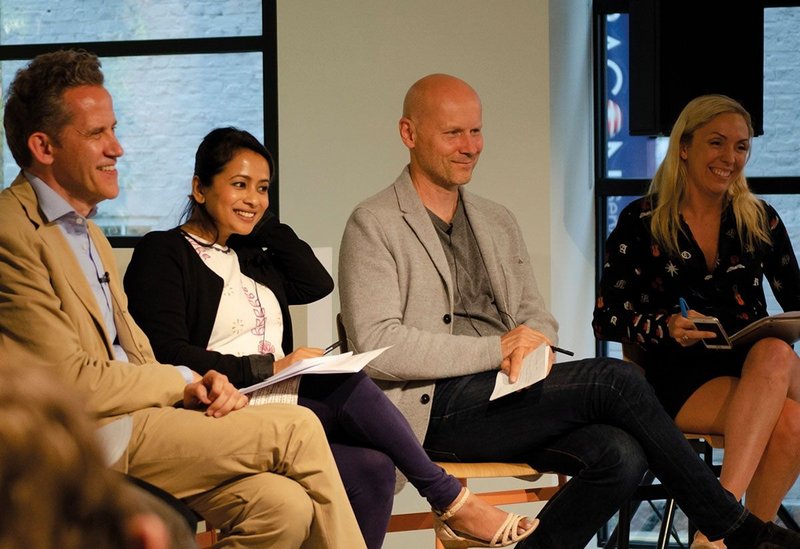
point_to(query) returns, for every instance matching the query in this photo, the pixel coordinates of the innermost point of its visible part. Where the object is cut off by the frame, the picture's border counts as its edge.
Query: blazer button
(447, 318)
(425, 399)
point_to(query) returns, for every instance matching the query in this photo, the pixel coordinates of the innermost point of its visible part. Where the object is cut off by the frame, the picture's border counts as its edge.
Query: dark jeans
(596, 420)
(369, 437)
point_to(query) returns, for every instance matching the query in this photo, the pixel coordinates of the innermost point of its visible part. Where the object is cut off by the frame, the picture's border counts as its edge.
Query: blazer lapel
(420, 222)
(54, 240)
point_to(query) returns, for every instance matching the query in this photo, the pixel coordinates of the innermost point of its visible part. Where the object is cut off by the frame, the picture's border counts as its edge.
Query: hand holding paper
(535, 368)
(329, 364)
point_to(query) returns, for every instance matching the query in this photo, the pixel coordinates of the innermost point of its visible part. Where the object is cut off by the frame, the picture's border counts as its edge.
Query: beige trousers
(263, 475)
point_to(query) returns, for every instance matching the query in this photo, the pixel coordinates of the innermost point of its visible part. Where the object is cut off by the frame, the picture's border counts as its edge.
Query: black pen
(332, 346)
(562, 351)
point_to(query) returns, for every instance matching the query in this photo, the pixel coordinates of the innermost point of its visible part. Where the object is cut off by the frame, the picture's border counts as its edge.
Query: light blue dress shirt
(73, 226)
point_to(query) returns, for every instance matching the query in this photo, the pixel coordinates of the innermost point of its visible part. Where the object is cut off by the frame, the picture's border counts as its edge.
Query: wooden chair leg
(206, 539)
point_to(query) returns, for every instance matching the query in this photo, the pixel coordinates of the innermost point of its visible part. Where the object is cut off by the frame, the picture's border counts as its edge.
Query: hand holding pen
(560, 350)
(679, 326)
(684, 330)
(302, 353)
(515, 345)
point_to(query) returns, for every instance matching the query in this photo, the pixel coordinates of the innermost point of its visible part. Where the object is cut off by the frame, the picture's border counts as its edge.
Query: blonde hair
(669, 184)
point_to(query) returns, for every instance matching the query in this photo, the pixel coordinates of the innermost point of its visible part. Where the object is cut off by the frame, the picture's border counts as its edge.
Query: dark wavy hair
(215, 151)
(35, 97)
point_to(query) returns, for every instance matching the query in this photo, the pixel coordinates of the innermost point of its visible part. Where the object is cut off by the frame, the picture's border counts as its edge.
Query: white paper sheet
(535, 368)
(333, 364)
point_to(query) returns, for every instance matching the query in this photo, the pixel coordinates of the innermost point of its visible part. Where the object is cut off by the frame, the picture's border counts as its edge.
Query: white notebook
(282, 387)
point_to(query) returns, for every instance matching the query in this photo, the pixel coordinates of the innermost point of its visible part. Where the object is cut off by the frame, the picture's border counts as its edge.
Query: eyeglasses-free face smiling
(445, 137)
(84, 156)
(237, 197)
(716, 154)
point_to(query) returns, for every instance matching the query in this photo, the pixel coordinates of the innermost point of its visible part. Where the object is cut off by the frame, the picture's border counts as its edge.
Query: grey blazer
(395, 289)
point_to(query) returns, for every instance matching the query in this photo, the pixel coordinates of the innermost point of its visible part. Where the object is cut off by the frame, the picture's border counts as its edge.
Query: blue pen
(684, 308)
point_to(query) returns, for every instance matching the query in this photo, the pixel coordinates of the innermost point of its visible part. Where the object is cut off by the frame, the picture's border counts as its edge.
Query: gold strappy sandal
(507, 534)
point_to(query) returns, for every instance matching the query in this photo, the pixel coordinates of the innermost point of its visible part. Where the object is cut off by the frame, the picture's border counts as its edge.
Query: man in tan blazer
(263, 475)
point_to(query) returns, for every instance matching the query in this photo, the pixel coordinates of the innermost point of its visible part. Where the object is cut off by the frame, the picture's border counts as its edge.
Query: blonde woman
(700, 234)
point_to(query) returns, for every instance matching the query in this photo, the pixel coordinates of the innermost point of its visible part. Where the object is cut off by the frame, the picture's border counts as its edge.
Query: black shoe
(772, 536)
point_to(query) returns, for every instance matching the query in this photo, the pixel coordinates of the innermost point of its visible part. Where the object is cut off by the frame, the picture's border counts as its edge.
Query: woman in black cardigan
(214, 294)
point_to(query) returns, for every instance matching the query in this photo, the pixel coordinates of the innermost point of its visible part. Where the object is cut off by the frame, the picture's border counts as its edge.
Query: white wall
(571, 228)
(344, 68)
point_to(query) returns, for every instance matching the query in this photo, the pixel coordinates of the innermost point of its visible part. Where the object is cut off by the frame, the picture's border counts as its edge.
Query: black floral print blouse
(641, 284)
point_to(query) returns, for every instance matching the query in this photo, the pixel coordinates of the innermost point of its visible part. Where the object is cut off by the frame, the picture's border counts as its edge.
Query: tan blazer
(48, 314)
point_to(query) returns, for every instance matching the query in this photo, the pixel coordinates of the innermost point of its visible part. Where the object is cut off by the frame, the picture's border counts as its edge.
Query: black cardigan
(174, 296)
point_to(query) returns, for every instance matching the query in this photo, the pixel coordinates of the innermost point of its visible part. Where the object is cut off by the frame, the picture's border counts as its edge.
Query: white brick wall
(164, 105)
(39, 21)
(777, 152)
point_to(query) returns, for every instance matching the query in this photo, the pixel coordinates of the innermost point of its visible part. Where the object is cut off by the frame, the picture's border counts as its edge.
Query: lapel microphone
(105, 279)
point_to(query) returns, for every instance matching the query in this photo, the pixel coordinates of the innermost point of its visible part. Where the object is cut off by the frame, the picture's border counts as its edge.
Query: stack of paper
(333, 364)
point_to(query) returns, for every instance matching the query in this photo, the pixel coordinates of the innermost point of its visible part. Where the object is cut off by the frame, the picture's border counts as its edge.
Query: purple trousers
(369, 437)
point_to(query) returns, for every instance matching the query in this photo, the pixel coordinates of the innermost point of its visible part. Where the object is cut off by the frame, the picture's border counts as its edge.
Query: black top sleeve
(174, 297)
(172, 304)
(274, 255)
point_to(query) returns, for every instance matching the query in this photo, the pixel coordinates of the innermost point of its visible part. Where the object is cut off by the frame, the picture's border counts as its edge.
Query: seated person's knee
(622, 455)
(280, 506)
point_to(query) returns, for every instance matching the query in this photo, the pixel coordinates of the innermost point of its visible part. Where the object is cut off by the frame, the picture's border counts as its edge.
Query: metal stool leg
(787, 518)
(624, 525)
(666, 524)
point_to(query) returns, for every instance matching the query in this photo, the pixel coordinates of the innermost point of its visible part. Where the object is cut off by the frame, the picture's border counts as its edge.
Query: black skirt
(676, 374)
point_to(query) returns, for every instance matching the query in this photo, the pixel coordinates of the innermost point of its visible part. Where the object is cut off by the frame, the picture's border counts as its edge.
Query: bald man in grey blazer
(444, 277)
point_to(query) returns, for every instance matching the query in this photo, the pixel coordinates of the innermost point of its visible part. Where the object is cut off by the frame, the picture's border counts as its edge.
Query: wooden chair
(406, 522)
(207, 538)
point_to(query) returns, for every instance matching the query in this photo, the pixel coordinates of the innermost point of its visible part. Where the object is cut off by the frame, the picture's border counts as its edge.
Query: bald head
(430, 92)
(441, 126)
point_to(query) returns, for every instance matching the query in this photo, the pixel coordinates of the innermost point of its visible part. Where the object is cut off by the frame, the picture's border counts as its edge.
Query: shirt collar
(52, 204)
